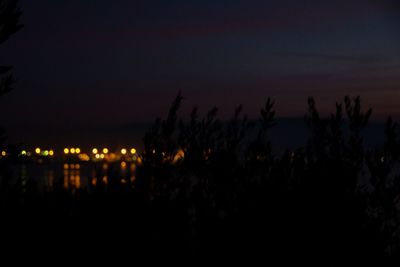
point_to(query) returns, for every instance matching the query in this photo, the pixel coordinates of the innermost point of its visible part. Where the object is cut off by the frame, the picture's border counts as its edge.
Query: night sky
(101, 64)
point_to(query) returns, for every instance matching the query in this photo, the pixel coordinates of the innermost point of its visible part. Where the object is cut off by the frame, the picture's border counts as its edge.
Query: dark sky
(98, 63)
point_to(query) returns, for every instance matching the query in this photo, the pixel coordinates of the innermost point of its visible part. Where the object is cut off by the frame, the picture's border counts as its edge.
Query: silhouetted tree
(9, 24)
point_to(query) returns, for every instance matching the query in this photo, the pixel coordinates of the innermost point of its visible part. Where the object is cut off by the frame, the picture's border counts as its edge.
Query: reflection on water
(50, 180)
(72, 176)
(105, 179)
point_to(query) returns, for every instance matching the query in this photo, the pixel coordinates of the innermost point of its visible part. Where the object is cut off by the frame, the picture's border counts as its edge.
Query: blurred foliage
(206, 187)
(341, 197)
(9, 24)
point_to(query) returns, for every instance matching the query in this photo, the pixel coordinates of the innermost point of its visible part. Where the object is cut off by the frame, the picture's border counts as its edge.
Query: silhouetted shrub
(334, 193)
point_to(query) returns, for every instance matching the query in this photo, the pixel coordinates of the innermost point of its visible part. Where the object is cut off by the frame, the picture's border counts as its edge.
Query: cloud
(192, 21)
(358, 59)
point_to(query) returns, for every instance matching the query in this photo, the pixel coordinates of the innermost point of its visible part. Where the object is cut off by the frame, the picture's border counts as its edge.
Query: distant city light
(103, 153)
(123, 164)
(84, 157)
(178, 156)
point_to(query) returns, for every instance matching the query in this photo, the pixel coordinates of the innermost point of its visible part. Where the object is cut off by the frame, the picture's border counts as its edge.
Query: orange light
(78, 181)
(179, 156)
(123, 164)
(84, 157)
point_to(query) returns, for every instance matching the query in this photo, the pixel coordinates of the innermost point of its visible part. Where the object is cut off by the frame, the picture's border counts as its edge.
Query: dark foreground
(208, 190)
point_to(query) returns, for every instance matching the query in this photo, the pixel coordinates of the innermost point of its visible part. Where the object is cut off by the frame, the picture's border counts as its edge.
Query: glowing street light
(37, 150)
(77, 150)
(66, 151)
(72, 150)
(3, 153)
(51, 153)
(95, 151)
(105, 150)
(23, 152)
(123, 151)
(133, 151)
